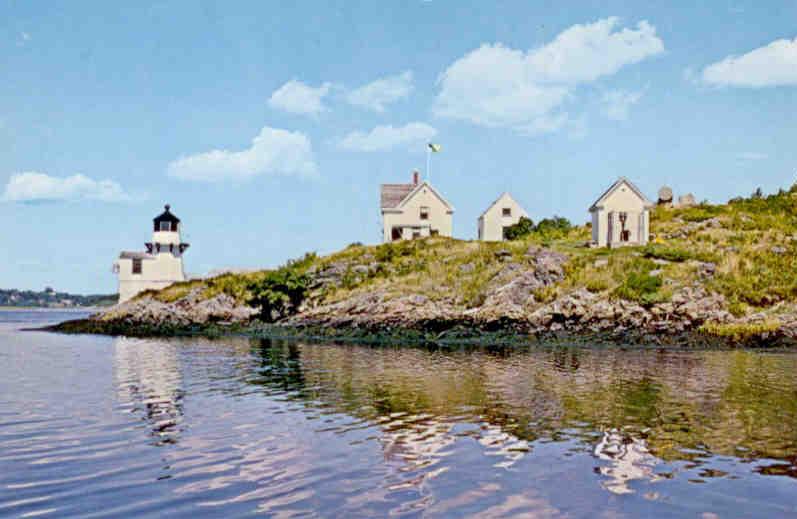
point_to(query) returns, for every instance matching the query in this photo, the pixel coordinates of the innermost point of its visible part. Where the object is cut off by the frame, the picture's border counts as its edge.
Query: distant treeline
(49, 298)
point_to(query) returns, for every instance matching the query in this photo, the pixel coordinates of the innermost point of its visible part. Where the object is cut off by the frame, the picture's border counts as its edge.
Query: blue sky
(269, 127)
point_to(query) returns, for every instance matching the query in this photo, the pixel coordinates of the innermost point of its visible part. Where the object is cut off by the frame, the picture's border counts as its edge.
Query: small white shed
(502, 213)
(621, 216)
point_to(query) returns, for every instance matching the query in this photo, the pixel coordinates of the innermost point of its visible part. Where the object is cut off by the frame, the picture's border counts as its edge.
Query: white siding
(492, 222)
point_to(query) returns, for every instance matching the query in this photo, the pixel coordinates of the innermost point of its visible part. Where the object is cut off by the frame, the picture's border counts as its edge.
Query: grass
(739, 331)
(752, 242)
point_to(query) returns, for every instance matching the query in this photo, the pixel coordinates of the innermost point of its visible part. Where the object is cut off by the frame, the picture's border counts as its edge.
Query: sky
(268, 126)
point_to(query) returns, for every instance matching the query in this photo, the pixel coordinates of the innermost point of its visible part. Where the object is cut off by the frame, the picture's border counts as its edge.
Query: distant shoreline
(51, 308)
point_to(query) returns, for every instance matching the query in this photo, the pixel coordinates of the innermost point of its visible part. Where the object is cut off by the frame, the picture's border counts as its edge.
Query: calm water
(112, 427)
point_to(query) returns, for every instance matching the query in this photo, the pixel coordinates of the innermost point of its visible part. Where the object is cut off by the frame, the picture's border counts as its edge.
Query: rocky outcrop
(526, 295)
(192, 309)
(511, 293)
(583, 311)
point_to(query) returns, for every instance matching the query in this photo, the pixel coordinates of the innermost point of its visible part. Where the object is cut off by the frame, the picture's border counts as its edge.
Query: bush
(637, 284)
(521, 229)
(666, 253)
(279, 293)
(640, 287)
(555, 225)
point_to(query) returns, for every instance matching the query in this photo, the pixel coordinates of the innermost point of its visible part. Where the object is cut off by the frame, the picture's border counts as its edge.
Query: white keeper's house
(621, 216)
(502, 213)
(414, 210)
(157, 267)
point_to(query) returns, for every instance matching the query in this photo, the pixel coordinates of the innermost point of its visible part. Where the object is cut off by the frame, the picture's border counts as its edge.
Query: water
(113, 427)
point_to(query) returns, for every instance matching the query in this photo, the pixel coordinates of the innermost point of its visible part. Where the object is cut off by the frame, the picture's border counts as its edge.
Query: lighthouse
(157, 267)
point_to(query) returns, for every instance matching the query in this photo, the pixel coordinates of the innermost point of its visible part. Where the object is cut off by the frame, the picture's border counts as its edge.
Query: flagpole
(428, 163)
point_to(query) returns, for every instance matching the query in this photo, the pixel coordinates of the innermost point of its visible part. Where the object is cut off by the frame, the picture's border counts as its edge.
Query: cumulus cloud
(498, 86)
(273, 152)
(299, 98)
(31, 186)
(617, 103)
(377, 94)
(384, 138)
(772, 65)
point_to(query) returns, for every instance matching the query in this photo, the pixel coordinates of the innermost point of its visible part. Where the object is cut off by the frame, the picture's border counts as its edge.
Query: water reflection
(148, 380)
(671, 405)
(234, 426)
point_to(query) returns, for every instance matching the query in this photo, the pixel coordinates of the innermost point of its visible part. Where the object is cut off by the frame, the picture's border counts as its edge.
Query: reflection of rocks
(629, 460)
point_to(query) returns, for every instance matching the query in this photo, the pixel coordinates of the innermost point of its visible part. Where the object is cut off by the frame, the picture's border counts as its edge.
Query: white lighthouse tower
(158, 267)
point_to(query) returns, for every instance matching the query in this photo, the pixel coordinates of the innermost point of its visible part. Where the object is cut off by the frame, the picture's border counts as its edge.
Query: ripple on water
(127, 427)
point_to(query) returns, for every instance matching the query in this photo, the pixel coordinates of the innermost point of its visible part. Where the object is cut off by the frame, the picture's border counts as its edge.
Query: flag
(435, 147)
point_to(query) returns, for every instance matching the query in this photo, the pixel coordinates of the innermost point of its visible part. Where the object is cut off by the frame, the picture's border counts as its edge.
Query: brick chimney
(416, 178)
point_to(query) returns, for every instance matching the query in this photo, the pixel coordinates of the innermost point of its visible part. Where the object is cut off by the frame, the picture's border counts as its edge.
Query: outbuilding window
(137, 266)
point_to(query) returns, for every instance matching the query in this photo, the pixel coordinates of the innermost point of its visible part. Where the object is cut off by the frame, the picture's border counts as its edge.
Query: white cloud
(273, 152)
(377, 94)
(617, 103)
(498, 86)
(384, 138)
(772, 65)
(752, 155)
(299, 98)
(32, 186)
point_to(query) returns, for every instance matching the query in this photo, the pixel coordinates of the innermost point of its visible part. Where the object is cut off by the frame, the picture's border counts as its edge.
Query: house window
(434, 232)
(506, 211)
(424, 213)
(395, 233)
(166, 226)
(416, 234)
(137, 266)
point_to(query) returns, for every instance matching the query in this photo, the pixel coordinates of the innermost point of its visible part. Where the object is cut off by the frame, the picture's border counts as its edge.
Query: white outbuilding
(157, 267)
(621, 216)
(502, 213)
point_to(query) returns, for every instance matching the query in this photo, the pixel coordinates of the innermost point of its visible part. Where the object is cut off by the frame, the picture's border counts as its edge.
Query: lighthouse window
(166, 226)
(136, 266)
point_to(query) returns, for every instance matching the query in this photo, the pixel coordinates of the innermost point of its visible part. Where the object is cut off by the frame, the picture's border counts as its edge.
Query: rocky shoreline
(513, 310)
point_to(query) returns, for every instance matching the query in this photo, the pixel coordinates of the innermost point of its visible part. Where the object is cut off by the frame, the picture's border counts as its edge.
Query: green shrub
(666, 253)
(278, 293)
(700, 213)
(553, 227)
(640, 287)
(521, 229)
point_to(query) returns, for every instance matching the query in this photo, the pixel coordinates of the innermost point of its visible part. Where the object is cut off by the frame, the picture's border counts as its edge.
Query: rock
(693, 227)
(513, 287)
(601, 262)
(467, 268)
(191, 309)
(665, 195)
(503, 255)
(655, 272)
(779, 250)
(704, 269)
(659, 261)
(360, 269)
(687, 200)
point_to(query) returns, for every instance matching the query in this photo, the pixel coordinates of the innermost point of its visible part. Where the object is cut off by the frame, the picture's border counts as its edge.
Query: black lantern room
(166, 221)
